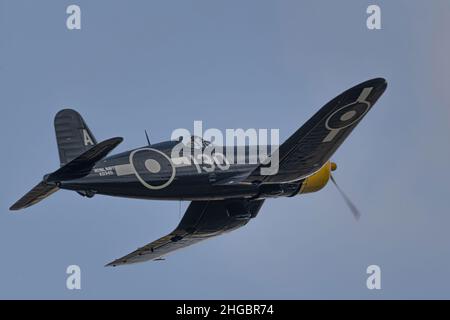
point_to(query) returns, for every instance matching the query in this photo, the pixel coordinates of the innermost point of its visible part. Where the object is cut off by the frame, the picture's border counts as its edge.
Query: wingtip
(380, 81)
(15, 207)
(113, 264)
(116, 263)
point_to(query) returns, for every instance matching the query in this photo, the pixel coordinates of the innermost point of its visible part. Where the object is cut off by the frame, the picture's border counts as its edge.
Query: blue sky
(160, 65)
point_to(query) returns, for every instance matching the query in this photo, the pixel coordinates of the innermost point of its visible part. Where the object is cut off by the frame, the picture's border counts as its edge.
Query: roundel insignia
(346, 116)
(153, 168)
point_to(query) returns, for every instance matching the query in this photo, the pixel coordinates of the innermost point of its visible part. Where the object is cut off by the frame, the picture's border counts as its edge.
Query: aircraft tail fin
(76, 168)
(72, 135)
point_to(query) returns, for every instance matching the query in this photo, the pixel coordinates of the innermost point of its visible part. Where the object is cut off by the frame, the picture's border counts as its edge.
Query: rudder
(72, 135)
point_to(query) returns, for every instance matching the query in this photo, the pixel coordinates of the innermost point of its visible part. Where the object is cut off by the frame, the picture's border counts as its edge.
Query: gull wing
(308, 149)
(202, 220)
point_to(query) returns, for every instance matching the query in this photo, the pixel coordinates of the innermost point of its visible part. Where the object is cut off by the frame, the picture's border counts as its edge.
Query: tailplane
(75, 169)
(78, 153)
(37, 194)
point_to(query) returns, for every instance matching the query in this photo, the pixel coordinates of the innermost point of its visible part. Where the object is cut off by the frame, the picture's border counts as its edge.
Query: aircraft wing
(308, 149)
(202, 220)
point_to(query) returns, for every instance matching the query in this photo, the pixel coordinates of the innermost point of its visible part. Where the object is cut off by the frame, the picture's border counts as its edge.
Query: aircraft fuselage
(151, 172)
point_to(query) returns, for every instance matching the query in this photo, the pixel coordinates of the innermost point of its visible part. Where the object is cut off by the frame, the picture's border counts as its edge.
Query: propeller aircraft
(221, 200)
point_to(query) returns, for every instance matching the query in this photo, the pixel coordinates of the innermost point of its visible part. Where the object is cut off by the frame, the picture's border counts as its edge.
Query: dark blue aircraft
(224, 194)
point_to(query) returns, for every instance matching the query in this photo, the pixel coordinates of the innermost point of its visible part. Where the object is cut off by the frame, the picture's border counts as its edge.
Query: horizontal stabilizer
(77, 168)
(38, 193)
(83, 164)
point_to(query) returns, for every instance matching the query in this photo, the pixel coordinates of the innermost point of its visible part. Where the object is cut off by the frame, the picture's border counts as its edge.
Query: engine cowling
(319, 179)
(312, 183)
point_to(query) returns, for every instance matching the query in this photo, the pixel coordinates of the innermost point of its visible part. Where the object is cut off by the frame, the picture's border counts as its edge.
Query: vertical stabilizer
(72, 135)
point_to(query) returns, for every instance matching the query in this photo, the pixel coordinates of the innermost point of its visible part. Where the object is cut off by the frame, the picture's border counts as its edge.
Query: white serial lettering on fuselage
(106, 171)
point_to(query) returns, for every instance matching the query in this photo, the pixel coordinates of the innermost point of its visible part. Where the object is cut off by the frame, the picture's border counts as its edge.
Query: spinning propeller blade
(347, 200)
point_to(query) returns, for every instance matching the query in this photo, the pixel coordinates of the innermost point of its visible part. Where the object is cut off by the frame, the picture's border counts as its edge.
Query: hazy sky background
(160, 65)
